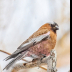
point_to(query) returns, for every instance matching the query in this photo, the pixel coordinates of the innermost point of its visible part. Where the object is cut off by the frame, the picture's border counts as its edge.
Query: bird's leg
(43, 56)
(39, 59)
(36, 59)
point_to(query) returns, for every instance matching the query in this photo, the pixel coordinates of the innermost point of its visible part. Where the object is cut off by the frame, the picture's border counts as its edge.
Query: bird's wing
(23, 47)
(31, 43)
(35, 35)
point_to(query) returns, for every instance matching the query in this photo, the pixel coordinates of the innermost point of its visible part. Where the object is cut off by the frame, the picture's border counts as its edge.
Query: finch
(39, 43)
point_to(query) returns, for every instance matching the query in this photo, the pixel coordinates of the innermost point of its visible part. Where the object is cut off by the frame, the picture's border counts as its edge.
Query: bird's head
(50, 26)
(54, 26)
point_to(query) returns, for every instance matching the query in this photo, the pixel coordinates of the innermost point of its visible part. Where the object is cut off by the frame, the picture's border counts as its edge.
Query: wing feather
(30, 43)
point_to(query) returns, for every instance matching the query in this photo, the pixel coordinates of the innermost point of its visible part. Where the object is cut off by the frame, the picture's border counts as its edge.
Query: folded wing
(22, 49)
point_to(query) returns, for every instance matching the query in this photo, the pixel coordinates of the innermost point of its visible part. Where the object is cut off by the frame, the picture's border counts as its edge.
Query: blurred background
(20, 18)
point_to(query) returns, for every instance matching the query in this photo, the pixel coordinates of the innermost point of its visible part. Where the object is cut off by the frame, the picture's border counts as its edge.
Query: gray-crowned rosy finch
(39, 43)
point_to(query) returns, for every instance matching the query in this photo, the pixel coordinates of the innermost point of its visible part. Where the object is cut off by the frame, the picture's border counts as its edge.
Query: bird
(39, 44)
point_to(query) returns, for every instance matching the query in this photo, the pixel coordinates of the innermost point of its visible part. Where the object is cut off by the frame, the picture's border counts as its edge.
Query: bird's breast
(45, 46)
(42, 48)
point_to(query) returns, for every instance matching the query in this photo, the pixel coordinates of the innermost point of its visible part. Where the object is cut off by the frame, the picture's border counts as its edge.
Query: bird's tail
(11, 56)
(18, 57)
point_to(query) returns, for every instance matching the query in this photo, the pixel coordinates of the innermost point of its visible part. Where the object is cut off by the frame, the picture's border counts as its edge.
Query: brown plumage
(39, 48)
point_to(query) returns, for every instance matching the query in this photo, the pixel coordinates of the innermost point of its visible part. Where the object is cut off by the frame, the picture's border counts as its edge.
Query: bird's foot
(43, 56)
(38, 60)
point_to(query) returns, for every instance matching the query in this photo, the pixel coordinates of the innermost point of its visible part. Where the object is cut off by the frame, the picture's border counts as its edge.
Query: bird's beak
(57, 27)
